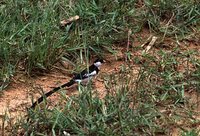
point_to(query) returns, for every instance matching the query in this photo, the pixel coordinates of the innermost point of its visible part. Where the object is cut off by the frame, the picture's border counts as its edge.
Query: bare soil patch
(19, 95)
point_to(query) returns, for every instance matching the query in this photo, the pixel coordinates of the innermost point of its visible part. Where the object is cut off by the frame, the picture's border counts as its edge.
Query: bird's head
(98, 62)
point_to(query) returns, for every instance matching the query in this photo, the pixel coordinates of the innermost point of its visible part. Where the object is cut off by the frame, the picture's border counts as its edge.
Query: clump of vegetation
(153, 103)
(32, 40)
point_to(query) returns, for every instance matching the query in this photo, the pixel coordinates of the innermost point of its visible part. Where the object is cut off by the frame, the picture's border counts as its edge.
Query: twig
(167, 26)
(69, 21)
(128, 44)
(150, 37)
(153, 40)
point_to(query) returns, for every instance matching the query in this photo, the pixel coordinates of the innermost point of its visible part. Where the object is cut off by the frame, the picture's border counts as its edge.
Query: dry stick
(69, 20)
(167, 25)
(147, 41)
(128, 44)
(154, 38)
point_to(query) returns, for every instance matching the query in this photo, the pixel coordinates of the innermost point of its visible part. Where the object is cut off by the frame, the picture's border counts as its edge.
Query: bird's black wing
(91, 71)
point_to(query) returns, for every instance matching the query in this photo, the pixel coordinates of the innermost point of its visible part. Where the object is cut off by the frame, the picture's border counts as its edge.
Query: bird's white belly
(84, 81)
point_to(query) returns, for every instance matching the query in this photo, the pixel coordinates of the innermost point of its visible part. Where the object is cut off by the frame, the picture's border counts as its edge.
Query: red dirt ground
(17, 97)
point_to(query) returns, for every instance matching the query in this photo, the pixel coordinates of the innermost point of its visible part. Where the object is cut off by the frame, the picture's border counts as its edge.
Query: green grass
(32, 40)
(151, 104)
(191, 133)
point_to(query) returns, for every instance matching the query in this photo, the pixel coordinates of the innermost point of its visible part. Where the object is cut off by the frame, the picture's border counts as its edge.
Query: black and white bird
(84, 77)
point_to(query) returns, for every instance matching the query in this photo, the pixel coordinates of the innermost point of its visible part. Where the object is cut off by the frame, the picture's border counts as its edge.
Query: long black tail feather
(71, 82)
